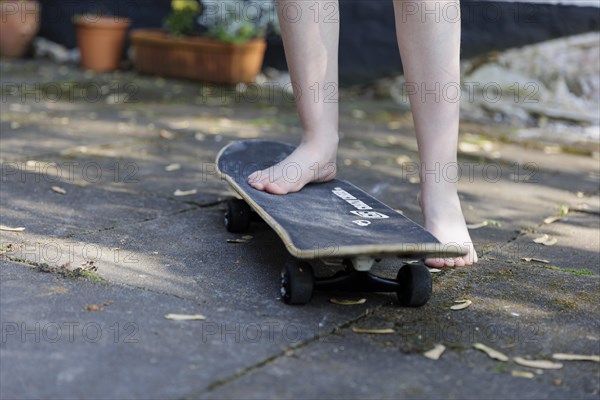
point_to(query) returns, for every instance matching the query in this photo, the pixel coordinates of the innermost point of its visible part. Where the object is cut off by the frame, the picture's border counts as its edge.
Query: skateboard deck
(332, 219)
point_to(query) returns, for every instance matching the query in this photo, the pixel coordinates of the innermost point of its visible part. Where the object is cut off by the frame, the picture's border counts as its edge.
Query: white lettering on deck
(359, 205)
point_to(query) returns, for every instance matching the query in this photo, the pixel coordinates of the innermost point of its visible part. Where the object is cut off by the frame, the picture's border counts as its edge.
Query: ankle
(325, 139)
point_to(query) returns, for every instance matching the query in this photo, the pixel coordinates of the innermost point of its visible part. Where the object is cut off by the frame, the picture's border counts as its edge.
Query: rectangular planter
(202, 59)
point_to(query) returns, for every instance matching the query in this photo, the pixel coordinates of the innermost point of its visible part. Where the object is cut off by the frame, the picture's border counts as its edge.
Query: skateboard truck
(412, 284)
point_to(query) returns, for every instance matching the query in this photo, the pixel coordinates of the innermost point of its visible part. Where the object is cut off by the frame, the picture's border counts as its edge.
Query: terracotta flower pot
(19, 23)
(197, 58)
(100, 41)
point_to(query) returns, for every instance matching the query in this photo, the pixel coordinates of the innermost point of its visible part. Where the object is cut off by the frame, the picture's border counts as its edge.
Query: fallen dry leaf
(462, 304)
(545, 240)
(541, 239)
(522, 374)
(173, 167)
(529, 259)
(94, 307)
(236, 240)
(165, 134)
(436, 352)
(58, 190)
(575, 357)
(496, 355)
(374, 331)
(487, 222)
(477, 226)
(347, 302)
(9, 229)
(542, 364)
(180, 193)
(549, 220)
(185, 317)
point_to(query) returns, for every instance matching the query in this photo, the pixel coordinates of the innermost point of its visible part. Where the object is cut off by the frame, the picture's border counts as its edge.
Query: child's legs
(429, 41)
(311, 49)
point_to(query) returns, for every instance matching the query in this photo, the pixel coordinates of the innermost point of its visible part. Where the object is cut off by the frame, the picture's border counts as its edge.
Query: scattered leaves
(530, 259)
(173, 167)
(436, 352)
(165, 134)
(575, 357)
(58, 190)
(549, 220)
(9, 229)
(522, 374)
(243, 239)
(383, 331)
(180, 193)
(496, 355)
(462, 304)
(545, 240)
(185, 317)
(487, 222)
(541, 239)
(347, 302)
(541, 364)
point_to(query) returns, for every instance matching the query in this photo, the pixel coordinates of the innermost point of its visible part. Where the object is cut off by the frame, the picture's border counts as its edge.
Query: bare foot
(445, 220)
(312, 161)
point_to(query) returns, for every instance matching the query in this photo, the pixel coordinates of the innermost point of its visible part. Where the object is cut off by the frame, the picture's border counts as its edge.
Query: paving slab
(126, 348)
(28, 200)
(353, 367)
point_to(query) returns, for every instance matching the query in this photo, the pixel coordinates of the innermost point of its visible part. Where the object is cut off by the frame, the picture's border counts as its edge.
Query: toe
(257, 185)
(253, 177)
(448, 262)
(275, 188)
(459, 262)
(434, 262)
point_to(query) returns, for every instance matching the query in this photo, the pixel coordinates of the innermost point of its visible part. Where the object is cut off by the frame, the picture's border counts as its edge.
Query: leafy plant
(237, 21)
(181, 21)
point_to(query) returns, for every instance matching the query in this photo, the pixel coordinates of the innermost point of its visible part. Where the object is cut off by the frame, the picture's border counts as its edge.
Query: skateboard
(333, 220)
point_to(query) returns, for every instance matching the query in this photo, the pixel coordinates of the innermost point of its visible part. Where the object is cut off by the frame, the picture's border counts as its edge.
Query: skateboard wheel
(237, 216)
(415, 285)
(297, 282)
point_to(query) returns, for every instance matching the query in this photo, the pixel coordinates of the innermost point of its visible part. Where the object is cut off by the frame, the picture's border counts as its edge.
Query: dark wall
(56, 15)
(368, 48)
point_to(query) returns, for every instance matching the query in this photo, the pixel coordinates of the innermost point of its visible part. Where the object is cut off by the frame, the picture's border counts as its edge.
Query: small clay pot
(19, 23)
(100, 41)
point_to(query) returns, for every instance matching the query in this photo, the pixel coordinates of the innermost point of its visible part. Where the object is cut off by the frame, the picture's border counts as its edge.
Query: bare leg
(430, 45)
(311, 49)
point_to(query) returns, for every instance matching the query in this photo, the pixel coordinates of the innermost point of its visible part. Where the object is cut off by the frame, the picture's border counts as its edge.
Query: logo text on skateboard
(360, 205)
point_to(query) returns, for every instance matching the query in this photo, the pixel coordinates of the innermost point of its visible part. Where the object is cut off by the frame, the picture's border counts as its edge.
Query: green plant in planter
(182, 19)
(228, 21)
(237, 21)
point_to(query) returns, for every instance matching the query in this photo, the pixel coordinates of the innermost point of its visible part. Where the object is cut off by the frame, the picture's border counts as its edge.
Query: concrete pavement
(101, 331)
